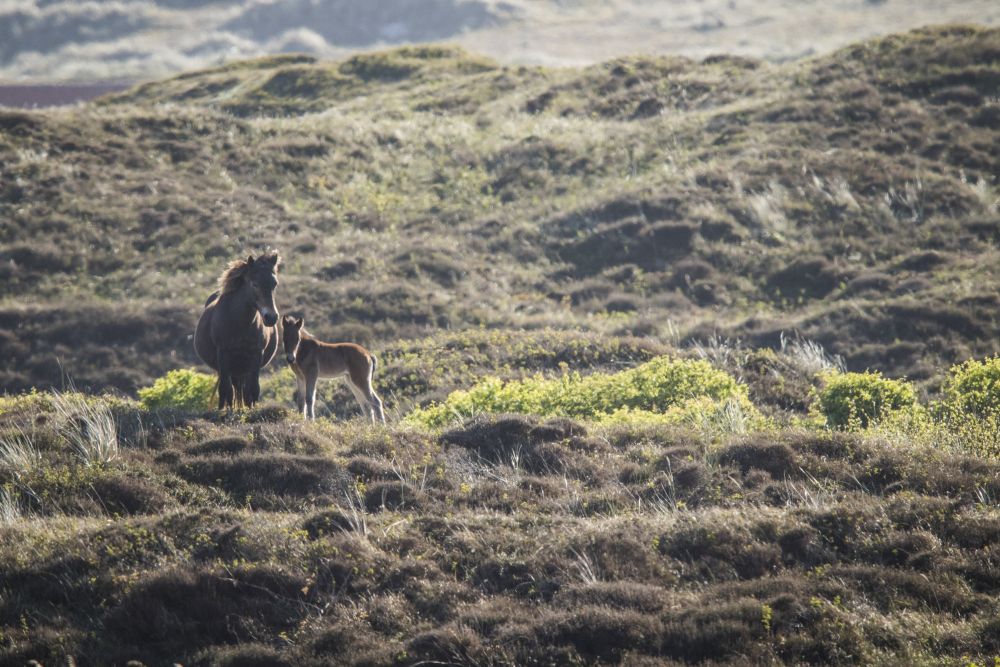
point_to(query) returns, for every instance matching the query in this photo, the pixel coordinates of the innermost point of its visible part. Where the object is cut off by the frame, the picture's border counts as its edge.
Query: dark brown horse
(237, 333)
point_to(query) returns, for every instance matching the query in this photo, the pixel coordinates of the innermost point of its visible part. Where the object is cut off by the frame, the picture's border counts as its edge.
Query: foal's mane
(232, 278)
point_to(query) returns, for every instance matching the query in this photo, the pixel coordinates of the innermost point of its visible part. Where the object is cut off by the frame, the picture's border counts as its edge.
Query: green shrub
(857, 400)
(941, 430)
(649, 391)
(974, 388)
(181, 389)
(279, 385)
(709, 416)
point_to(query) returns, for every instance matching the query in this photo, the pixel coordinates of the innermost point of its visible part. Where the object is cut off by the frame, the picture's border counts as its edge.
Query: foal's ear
(288, 321)
(299, 322)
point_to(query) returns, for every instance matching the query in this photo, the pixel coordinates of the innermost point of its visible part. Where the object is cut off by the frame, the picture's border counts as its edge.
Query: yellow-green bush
(644, 392)
(278, 385)
(180, 389)
(941, 430)
(733, 416)
(33, 401)
(974, 388)
(857, 400)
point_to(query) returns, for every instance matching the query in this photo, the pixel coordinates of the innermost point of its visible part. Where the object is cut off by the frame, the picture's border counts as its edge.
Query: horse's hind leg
(367, 398)
(239, 392)
(359, 396)
(225, 392)
(373, 399)
(376, 404)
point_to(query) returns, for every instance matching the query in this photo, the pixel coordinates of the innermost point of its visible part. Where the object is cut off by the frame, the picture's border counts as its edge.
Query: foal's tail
(374, 363)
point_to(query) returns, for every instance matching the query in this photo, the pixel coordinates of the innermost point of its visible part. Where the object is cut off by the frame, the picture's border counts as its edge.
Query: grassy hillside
(506, 540)
(851, 198)
(645, 251)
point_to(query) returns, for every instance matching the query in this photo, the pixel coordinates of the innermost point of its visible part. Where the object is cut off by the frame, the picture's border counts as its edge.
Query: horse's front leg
(300, 393)
(311, 379)
(226, 392)
(225, 382)
(251, 388)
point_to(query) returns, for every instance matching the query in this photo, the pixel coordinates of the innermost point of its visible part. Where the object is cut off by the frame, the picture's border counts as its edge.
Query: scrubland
(862, 530)
(622, 315)
(850, 198)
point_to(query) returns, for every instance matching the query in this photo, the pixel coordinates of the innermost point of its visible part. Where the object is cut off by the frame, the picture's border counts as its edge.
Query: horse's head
(261, 275)
(291, 335)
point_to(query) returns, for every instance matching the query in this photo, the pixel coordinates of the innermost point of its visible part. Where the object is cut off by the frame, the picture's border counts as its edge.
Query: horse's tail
(374, 362)
(214, 398)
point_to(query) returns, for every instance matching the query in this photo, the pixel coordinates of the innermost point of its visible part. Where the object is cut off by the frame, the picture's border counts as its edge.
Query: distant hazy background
(47, 41)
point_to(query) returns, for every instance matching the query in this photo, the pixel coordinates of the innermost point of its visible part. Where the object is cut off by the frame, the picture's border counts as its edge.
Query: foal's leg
(359, 396)
(300, 393)
(369, 401)
(373, 398)
(361, 387)
(311, 377)
(376, 404)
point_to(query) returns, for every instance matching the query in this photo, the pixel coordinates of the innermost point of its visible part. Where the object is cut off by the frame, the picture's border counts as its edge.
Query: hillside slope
(506, 541)
(564, 227)
(851, 198)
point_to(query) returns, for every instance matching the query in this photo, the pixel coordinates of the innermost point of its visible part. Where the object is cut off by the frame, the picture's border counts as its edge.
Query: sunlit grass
(88, 425)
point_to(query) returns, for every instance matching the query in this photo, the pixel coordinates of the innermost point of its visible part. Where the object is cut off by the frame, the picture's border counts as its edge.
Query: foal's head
(291, 335)
(260, 275)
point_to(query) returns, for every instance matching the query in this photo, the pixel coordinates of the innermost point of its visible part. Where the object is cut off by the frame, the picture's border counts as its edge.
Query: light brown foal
(312, 359)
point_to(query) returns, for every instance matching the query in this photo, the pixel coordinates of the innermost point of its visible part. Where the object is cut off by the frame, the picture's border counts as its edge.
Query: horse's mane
(231, 279)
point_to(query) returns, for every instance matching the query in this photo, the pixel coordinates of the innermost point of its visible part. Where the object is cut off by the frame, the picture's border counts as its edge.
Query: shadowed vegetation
(505, 540)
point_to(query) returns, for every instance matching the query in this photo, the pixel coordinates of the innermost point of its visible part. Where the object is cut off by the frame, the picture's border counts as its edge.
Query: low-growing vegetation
(182, 389)
(601, 531)
(663, 345)
(658, 386)
(974, 387)
(857, 400)
(506, 539)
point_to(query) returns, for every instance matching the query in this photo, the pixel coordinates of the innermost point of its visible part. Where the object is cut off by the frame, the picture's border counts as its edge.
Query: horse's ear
(249, 260)
(273, 259)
